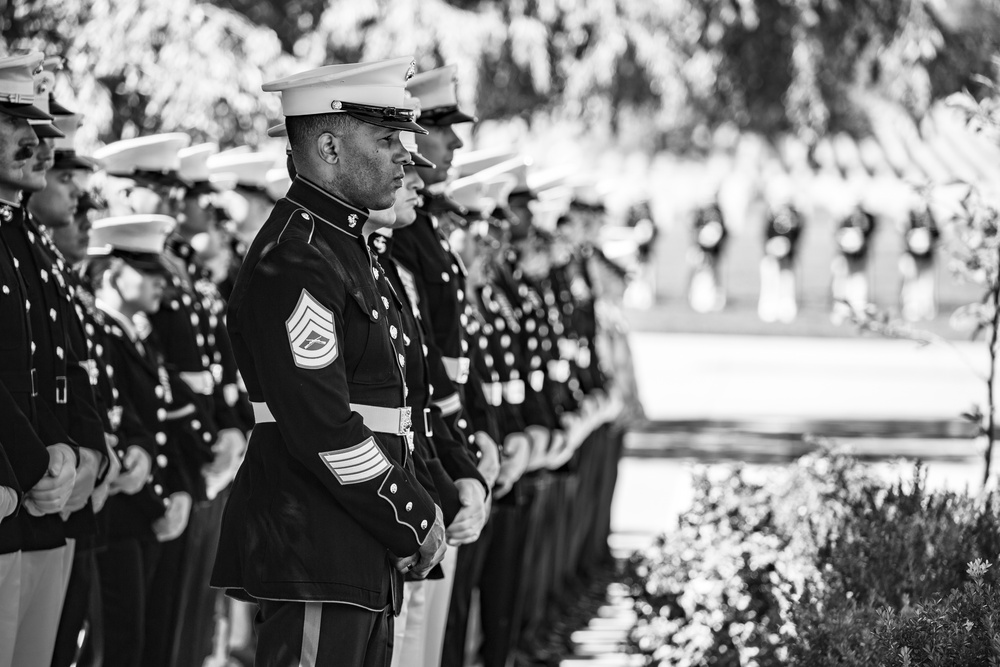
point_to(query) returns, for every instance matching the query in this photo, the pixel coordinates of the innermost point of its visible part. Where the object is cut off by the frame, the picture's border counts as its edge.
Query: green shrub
(822, 565)
(960, 629)
(899, 543)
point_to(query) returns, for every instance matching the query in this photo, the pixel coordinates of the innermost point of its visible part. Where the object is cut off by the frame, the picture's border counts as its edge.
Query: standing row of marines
(431, 406)
(850, 269)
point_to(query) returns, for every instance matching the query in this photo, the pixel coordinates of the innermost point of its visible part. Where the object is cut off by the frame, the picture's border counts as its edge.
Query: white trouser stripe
(312, 617)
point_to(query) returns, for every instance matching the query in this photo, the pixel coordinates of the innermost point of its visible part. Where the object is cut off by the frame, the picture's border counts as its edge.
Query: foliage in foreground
(827, 566)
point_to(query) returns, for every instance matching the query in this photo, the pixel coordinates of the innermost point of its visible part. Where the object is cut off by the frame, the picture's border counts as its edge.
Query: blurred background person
(917, 268)
(706, 290)
(778, 300)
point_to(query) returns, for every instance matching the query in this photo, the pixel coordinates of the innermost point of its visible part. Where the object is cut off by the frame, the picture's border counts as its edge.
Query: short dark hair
(302, 129)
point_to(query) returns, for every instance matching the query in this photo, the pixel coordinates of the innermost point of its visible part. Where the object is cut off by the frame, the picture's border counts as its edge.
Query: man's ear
(328, 147)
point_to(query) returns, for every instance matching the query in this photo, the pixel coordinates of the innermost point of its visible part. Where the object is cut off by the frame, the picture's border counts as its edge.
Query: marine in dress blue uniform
(143, 178)
(154, 424)
(453, 468)
(326, 511)
(34, 557)
(425, 252)
(53, 208)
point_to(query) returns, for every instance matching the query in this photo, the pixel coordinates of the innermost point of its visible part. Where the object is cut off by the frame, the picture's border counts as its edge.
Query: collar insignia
(5, 213)
(379, 243)
(352, 220)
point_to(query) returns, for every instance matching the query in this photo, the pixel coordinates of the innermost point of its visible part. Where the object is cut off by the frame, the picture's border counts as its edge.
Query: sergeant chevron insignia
(356, 464)
(311, 334)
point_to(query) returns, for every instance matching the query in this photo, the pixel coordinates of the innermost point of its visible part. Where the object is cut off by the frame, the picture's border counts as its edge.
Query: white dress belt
(395, 421)
(457, 368)
(201, 382)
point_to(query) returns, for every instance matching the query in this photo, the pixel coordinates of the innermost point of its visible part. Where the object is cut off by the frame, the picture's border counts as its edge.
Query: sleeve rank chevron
(311, 334)
(356, 464)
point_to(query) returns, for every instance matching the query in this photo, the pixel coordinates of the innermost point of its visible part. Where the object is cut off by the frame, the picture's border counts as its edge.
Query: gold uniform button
(423, 525)
(392, 489)
(409, 506)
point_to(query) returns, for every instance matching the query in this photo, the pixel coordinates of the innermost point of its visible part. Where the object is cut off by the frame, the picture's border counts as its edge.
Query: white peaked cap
(133, 233)
(327, 89)
(194, 162)
(157, 153)
(248, 167)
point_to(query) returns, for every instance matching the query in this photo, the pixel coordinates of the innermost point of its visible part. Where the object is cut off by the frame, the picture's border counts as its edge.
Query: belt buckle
(428, 428)
(62, 390)
(405, 421)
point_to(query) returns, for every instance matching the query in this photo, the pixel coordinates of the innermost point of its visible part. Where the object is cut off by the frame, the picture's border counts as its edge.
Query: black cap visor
(143, 262)
(70, 160)
(442, 203)
(29, 111)
(146, 178)
(523, 193)
(420, 161)
(445, 116)
(47, 131)
(391, 117)
(57, 109)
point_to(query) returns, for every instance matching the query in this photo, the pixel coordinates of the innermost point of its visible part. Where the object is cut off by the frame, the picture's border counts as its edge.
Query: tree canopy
(770, 66)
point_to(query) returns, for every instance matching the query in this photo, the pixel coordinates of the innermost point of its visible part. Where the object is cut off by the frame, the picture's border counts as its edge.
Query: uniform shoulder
(288, 226)
(297, 223)
(292, 247)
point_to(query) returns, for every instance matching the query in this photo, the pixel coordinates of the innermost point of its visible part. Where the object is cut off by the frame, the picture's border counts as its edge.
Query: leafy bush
(828, 565)
(960, 629)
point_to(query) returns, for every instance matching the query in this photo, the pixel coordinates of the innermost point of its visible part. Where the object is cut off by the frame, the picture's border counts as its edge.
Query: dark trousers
(126, 569)
(76, 615)
(500, 583)
(537, 568)
(163, 602)
(199, 601)
(317, 634)
(180, 625)
(471, 560)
